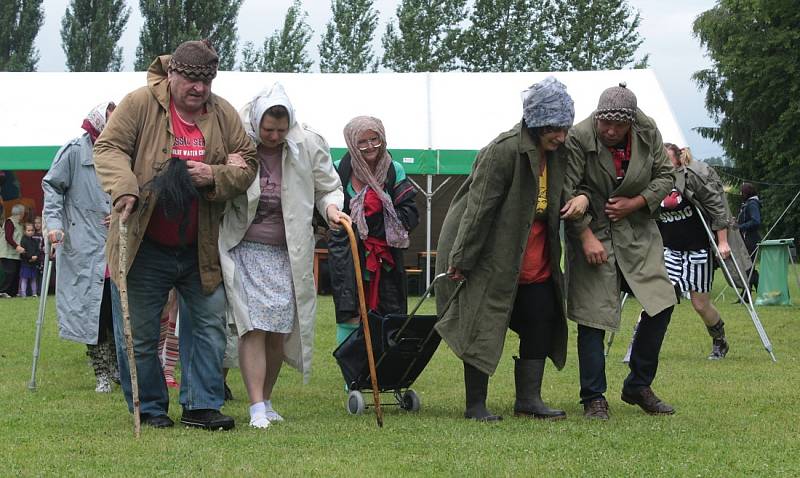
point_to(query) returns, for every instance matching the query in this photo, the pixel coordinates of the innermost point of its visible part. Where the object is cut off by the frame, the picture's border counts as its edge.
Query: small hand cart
(402, 346)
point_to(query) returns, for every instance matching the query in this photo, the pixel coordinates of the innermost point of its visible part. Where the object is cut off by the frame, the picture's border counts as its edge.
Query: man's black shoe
(228, 393)
(206, 418)
(647, 401)
(157, 421)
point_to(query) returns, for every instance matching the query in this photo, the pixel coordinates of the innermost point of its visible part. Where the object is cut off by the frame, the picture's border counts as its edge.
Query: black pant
(644, 356)
(10, 283)
(533, 318)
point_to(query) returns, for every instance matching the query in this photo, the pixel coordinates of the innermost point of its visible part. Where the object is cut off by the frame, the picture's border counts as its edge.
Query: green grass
(736, 417)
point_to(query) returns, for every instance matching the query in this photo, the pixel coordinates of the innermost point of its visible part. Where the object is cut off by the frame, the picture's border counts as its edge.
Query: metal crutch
(748, 304)
(45, 289)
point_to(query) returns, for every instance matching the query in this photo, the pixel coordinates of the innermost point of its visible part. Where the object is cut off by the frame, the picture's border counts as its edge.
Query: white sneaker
(259, 421)
(273, 416)
(103, 385)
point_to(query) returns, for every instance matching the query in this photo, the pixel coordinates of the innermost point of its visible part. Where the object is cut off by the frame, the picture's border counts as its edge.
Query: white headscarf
(253, 113)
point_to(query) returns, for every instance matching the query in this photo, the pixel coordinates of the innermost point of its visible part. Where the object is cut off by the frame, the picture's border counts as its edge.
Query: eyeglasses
(365, 144)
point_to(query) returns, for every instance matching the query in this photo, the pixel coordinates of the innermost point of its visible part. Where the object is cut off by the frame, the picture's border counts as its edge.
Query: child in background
(39, 236)
(29, 268)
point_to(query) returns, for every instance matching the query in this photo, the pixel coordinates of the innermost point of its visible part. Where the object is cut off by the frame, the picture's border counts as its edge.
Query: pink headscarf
(396, 234)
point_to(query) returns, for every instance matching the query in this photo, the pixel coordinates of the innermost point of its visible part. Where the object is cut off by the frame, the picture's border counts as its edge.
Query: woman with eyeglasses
(501, 235)
(380, 200)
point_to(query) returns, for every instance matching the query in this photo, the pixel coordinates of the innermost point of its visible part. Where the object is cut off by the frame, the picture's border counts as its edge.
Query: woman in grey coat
(501, 236)
(76, 213)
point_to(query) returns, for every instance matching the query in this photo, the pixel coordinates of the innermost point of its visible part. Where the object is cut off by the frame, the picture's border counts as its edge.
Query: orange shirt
(536, 259)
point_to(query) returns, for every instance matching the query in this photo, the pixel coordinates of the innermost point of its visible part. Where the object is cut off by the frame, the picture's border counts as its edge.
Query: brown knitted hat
(196, 60)
(617, 103)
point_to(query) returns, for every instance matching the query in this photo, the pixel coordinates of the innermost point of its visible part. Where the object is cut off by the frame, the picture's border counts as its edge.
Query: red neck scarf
(621, 158)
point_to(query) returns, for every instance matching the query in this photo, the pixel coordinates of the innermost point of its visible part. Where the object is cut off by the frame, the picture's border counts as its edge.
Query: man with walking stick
(162, 158)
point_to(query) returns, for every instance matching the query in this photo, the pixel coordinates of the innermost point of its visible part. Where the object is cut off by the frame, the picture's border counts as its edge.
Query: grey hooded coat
(75, 203)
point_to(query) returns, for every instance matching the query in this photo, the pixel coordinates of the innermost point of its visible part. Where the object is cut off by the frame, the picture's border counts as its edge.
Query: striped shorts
(689, 270)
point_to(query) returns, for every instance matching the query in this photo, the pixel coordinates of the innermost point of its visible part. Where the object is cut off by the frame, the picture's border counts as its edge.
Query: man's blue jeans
(155, 270)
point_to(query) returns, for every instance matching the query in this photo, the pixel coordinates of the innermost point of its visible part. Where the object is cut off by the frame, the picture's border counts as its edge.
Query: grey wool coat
(484, 234)
(75, 203)
(633, 244)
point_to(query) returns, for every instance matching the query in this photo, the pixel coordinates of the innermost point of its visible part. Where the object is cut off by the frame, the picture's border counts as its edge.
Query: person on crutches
(687, 250)
(76, 212)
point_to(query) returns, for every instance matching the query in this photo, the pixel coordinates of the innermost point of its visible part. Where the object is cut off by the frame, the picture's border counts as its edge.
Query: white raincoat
(309, 180)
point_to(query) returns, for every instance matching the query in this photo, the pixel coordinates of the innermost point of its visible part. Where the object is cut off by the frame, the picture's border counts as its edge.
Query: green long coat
(485, 234)
(633, 244)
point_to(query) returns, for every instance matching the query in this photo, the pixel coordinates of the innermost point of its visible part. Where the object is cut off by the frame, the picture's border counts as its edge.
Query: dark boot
(719, 345)
(476, 385)
(528, 382)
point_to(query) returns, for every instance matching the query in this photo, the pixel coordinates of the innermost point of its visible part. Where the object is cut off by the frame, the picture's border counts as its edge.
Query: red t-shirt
(189, 145)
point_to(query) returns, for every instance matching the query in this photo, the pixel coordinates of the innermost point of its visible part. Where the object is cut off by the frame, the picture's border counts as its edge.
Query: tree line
(423, 35)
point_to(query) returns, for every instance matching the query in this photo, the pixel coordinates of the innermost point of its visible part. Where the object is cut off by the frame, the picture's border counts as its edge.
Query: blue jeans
(155, 270)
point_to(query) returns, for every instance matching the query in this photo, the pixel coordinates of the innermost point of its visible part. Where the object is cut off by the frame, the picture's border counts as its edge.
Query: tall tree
(20, 21)
(252, 57)
(168, 24)
(346, 45)
(753, 94)
(426, 36)
(508, 35)
(284, 50)
(596, 35)
(90, 30)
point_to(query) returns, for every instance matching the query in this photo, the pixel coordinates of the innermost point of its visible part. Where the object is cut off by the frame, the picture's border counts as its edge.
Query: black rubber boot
(719, 345)
(476, 385)
(528, 382)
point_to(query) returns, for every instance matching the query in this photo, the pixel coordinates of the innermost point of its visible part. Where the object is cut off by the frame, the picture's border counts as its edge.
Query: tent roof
(453, 114)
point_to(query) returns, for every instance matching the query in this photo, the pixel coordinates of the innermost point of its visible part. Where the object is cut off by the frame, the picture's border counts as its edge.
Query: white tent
(435, 120)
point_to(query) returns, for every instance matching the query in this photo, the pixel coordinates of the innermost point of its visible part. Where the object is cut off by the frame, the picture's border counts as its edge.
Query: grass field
(736, 417)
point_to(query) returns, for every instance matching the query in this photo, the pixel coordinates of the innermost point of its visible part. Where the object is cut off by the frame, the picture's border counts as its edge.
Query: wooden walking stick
(362, 309)
(126, 325)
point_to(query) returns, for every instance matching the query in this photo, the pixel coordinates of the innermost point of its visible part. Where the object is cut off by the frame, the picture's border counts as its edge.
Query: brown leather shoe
(596, 409)
(647, 401)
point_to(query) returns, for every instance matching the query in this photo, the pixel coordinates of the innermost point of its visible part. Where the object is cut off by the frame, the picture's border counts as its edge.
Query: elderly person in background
(267, 247)
(76, 213)
(162, 159)
(380, 199)
(10, 250)
(501, 236)
(616, 158)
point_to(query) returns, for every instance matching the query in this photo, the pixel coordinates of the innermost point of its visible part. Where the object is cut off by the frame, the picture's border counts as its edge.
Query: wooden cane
(126, 325)
(362, 309)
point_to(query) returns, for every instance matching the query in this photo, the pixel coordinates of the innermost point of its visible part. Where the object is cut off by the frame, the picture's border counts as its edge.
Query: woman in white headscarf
(267, 247)
(76, 212)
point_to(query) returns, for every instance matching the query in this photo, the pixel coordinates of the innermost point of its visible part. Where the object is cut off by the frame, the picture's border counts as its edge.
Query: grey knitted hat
(196, 60)
(547, 103)
(617, 103)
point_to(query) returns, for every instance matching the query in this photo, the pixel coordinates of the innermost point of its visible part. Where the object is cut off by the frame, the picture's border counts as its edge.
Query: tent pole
(428, 200)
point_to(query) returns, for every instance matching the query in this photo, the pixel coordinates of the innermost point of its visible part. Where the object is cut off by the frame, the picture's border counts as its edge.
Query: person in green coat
(616, 158)
(500, 235)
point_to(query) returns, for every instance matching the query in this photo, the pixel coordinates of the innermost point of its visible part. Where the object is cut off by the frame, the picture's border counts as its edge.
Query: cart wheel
(411, 402)
(355, 403)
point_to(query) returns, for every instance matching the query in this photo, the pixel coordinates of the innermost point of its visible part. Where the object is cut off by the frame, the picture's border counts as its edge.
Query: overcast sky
(666, 28)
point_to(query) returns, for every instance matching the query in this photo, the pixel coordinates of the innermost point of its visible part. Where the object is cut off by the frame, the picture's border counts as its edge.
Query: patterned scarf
(95, 121)
(396, 234)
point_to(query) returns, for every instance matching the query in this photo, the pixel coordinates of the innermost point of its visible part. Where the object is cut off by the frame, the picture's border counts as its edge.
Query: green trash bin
(773, 286)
